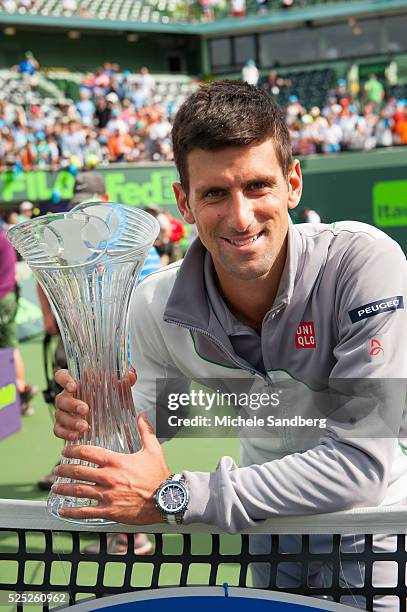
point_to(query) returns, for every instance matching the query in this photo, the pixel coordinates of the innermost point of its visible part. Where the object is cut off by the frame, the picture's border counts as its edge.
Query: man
(26, 210)
(373, 91)
(269, 302)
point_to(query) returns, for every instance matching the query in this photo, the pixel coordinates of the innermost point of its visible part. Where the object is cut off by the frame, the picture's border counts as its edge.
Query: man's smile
(242, 241)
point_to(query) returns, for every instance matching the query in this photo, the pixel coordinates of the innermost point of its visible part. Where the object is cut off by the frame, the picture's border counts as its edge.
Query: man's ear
(294, 184)
(182, 202)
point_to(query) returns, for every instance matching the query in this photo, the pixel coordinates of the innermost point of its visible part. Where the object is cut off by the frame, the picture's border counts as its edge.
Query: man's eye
(214, 193)
(257, 186)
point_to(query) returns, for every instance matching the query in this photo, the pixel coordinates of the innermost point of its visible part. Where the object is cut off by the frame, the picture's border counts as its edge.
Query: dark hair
(226, 114)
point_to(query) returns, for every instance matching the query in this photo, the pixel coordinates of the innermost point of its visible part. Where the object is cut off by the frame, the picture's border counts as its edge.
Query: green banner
(133, 186)
(390, 204)
(369, 187)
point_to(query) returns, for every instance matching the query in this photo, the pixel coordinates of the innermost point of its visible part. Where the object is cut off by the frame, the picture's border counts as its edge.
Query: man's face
(239, 199)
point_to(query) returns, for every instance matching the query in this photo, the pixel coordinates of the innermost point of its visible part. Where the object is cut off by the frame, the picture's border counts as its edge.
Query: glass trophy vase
(87, 262)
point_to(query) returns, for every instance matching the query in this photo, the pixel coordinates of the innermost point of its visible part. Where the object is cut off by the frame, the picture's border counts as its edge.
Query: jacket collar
(188, 304)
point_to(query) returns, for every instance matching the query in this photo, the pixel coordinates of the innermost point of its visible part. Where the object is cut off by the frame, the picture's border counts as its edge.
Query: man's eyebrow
(267, 178)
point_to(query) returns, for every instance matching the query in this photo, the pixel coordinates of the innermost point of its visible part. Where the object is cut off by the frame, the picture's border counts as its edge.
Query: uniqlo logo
(305, 335)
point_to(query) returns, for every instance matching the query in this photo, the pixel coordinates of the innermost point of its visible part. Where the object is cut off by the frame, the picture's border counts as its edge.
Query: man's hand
(71, 413)
(124, 485)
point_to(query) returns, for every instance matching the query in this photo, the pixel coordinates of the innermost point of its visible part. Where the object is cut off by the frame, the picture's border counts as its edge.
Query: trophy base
(58, 502)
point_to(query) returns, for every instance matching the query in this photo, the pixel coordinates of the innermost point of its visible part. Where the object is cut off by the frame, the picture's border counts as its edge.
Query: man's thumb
(147, 433)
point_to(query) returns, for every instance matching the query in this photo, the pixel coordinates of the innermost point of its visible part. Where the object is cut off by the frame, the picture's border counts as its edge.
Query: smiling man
(260, 299)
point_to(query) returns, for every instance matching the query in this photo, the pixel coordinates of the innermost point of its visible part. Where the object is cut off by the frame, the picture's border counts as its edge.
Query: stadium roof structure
(172, 17)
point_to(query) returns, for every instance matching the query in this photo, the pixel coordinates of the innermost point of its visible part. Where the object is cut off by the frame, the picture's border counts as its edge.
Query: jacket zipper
(221, 346)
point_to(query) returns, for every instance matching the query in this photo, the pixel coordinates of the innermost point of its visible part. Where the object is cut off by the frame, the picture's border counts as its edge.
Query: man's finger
(65, 380)
(132, 375)
(67, 403)
(66, 434)
(82, 491)
(93, 454)
(71, 421)
(82, 512)
(80, 472)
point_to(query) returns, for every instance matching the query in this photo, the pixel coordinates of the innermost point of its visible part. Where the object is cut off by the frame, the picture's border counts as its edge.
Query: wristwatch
(172, 498)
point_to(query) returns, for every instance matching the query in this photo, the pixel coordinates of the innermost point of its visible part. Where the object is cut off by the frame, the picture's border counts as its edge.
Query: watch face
(172, 498)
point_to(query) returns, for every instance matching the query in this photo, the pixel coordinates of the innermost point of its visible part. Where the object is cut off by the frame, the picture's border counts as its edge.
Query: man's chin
(245, 273)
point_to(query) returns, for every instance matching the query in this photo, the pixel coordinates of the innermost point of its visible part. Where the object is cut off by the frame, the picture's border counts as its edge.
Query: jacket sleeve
(157, 376)
(349, 466)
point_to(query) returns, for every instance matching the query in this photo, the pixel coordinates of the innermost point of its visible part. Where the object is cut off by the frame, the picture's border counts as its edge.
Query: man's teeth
(243, 243)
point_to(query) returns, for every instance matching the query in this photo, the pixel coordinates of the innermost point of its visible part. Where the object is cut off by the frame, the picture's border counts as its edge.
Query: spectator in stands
(72, 140)
(238, 8)
(85, 106)
(332, 136)
(263, 7)
(36, 135)
(103, 112)
(207, 9)
(275, 83)
(137, 96)
(53, 152)
(347, 121)
(400, 125)
(294, 110)
(92, 150)
(28, 66)
(116, 123)
(69, 7)
(382, 132)
(26, 210)
(250, 73)
(373, 91)
(158, 135)
(126, 85)
(120, 146)
(11, 217)
(146, 82)
(163, 242)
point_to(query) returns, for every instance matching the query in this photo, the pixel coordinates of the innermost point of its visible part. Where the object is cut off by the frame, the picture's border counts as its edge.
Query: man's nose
(241, 213)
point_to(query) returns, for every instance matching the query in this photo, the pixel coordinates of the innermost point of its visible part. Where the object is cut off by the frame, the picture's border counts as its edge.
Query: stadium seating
(59, 86)
(310, 86)
(143, 11)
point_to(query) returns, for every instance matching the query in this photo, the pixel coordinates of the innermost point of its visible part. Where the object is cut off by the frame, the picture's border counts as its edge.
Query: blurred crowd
(352, 119)
(115, 119)
(119, 118)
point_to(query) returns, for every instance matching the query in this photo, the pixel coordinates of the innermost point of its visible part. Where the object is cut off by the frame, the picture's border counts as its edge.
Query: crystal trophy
(88, 261)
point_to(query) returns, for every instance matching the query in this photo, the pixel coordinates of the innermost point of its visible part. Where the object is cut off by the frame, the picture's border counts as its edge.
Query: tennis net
(42, 555)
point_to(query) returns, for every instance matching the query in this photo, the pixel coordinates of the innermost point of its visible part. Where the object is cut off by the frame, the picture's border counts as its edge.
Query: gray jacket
(338, 320)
